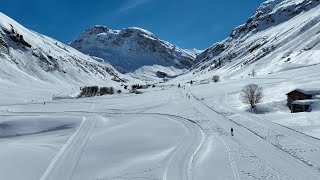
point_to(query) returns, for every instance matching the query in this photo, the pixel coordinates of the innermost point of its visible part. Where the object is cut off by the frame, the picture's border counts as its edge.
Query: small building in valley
(300, 100)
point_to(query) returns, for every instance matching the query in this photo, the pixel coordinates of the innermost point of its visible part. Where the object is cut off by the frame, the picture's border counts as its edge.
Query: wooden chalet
(300, 100)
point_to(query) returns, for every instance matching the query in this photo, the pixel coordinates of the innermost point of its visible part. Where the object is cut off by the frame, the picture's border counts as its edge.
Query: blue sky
(186, 23)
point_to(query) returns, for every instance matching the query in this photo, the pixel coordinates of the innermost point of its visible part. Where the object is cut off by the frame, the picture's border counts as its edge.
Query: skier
(179, 85)
(231, 131)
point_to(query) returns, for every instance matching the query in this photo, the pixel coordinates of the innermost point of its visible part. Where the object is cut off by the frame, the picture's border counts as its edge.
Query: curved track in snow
(180, 164)
(283, 162)
(203, 147)
(177, 165)
(66, 160)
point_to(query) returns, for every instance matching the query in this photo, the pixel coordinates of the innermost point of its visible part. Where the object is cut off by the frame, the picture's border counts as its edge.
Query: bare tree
(252, 95)
(216, 78)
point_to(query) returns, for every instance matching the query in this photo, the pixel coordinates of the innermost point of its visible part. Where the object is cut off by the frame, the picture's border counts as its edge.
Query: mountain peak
(131, 48)
(138, 29)
(272, 13)
(97, 29)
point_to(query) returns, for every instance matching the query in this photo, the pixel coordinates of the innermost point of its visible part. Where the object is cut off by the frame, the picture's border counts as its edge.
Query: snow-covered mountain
(32, 60)
(131, 48)
(156, 73)
(195, 51)
(281, 35)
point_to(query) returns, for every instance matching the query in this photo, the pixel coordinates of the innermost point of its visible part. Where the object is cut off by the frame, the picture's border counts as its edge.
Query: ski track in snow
(178, 165)
(231, 161)
(271, 155)
(65, 162)
(274, 129)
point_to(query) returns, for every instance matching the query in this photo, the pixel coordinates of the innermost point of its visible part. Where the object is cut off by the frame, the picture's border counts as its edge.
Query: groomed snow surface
(166, 133)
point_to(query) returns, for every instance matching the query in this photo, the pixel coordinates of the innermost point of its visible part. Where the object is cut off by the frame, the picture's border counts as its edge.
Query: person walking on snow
(231, 131)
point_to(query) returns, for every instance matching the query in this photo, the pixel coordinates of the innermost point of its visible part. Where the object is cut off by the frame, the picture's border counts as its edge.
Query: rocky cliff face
(131, 48)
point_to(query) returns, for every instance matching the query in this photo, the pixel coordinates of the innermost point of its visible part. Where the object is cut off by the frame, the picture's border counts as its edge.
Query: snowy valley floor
(167, 133)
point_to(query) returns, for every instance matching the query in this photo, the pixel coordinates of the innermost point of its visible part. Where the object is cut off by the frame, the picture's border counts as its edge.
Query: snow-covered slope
(281, 35)
(30, 60)
(131, 48)
(195, 51)
(156, 73)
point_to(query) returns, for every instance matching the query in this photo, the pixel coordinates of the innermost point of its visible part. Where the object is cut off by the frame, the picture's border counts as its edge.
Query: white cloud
(131, 4)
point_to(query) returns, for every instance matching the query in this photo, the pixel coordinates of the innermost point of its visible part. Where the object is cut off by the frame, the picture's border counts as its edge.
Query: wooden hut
(299, 100)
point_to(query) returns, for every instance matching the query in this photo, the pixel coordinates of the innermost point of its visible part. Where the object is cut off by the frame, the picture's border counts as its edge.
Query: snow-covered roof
(305, 102)
(307, 91)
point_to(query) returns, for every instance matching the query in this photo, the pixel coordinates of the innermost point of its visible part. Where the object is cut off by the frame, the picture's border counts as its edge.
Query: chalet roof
(306, 91)
(305, 102)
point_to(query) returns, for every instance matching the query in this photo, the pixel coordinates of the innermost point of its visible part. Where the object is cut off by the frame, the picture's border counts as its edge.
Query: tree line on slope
(90, 91)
